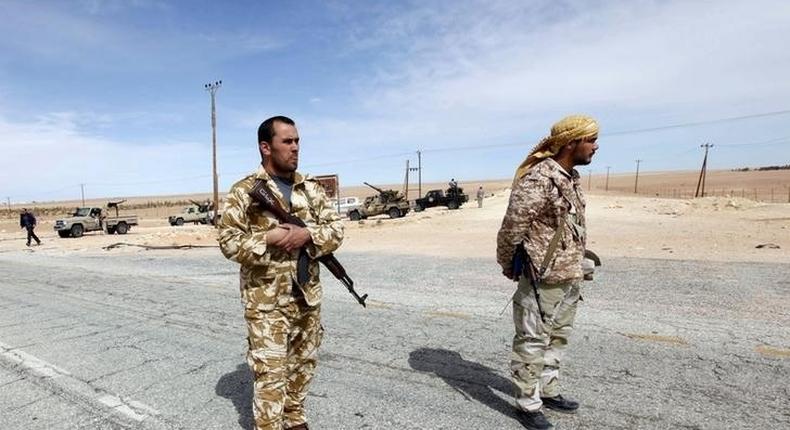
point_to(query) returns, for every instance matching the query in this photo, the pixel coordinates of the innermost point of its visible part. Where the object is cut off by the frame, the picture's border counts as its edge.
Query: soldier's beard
(282, 168)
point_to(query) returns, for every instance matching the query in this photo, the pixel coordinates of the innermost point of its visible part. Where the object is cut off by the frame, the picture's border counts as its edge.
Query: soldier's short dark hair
(266, 130)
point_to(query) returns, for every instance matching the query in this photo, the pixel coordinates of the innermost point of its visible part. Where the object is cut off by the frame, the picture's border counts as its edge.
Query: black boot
(560, 404)
(534, 420)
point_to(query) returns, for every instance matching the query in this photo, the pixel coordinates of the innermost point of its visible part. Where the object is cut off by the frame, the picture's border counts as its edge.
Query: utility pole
(419, 173)
(636, 181)
(606, 187)
(82, 192)
(406, 182)
(408, 173)
(704, 171)
(212, 89)
(8, 202)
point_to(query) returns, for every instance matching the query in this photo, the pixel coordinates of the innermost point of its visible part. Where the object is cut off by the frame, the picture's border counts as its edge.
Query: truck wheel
(76, 230)
(180, 221)
(354, 216)
(63, 233)
(419, 208)
(121, 228)
(452, 204)
(394, 213)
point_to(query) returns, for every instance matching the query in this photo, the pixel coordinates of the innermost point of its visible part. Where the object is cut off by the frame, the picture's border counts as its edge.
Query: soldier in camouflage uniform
(283, 317)
(546, 199)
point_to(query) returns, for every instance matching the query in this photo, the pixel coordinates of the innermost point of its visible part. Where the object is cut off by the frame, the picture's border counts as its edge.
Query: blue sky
(110, 93)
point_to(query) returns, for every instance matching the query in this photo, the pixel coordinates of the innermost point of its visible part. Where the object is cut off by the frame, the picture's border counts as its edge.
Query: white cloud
(634, 54)
(75, 37)
(501, 72)
(43, 158)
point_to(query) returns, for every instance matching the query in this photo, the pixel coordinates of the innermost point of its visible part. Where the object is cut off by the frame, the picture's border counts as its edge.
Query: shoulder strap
(555, 241)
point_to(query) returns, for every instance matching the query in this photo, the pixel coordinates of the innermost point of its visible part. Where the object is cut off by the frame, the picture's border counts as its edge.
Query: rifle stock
(261, 194)
(523, 266)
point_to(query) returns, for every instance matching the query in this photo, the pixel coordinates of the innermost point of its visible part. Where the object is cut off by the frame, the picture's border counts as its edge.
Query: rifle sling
(555, 241)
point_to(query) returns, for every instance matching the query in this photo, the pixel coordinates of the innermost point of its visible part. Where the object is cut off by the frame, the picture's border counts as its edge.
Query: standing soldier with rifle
(279, 256)
(541, 244)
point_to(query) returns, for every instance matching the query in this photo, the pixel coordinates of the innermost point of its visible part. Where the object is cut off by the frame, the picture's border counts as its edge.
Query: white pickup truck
(87, 219)
(345, 204)
(190, 214)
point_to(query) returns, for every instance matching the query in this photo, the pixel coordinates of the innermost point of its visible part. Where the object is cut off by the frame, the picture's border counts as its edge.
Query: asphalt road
(155, 340)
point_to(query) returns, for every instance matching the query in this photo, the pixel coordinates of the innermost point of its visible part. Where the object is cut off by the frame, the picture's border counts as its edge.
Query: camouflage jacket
(268, 273)
(538, 204)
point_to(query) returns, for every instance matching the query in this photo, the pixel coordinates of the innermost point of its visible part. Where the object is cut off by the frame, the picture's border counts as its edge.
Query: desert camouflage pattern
(268, 273)
(546, 198)
(284, 329)
(538, 347)
(283, 353)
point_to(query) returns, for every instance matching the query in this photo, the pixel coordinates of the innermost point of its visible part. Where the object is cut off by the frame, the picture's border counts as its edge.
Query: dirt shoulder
(708, 229)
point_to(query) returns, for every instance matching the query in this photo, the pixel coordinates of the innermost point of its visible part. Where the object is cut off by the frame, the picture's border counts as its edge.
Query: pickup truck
(189, 214)
(346, 204)
(389, 202)
(453, 198)
(87, 219)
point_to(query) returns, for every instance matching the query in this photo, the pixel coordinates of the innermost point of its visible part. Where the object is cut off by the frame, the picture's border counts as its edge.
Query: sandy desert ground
(720, 228)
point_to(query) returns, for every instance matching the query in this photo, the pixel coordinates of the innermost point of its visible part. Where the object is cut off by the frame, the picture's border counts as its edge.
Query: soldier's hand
(508, 273)
(277, 234)
(296, 238)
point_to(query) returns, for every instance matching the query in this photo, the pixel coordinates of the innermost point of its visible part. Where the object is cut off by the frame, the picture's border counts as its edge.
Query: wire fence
(762, 195)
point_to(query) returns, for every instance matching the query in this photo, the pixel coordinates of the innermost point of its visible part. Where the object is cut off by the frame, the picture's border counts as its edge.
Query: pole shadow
(237, 386)
(474, 381)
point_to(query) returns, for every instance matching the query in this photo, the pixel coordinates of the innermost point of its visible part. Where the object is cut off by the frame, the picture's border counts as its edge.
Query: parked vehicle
(345, 204)
(189, 214)
(86, 219)
(453, 198)
(388, 202)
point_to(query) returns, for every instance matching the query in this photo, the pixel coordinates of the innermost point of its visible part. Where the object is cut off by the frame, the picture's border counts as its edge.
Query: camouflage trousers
(283, 353)
(537, 346)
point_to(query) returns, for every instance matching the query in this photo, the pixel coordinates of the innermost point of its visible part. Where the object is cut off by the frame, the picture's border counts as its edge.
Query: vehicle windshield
(82, 211)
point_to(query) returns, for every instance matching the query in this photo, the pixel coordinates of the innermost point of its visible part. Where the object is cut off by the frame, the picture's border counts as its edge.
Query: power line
(158, 181)
(698, 123)
(774, 141)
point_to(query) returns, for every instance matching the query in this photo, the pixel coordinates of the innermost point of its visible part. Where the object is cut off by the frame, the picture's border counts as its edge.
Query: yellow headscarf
(565, 131)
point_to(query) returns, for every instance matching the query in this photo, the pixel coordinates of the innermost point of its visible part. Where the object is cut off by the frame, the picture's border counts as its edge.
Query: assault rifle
(522, 266)
(264, 197)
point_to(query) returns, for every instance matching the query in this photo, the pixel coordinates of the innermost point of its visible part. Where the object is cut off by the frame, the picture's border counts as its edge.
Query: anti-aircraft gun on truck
(87, 219)
(388, 202)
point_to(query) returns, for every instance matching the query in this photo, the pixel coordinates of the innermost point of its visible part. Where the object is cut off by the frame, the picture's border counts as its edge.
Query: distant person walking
(28, 221)
(480, 195)
(545, 221)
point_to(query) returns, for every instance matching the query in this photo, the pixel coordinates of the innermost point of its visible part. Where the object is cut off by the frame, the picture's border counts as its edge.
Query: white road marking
(132, 409)
(37, 366)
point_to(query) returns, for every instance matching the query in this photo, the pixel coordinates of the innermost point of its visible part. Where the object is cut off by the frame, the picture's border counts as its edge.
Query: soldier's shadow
(474, 381)
(237, 386)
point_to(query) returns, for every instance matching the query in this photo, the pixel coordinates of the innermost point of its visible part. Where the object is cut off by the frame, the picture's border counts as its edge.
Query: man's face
(584, 151)
(281, 155)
